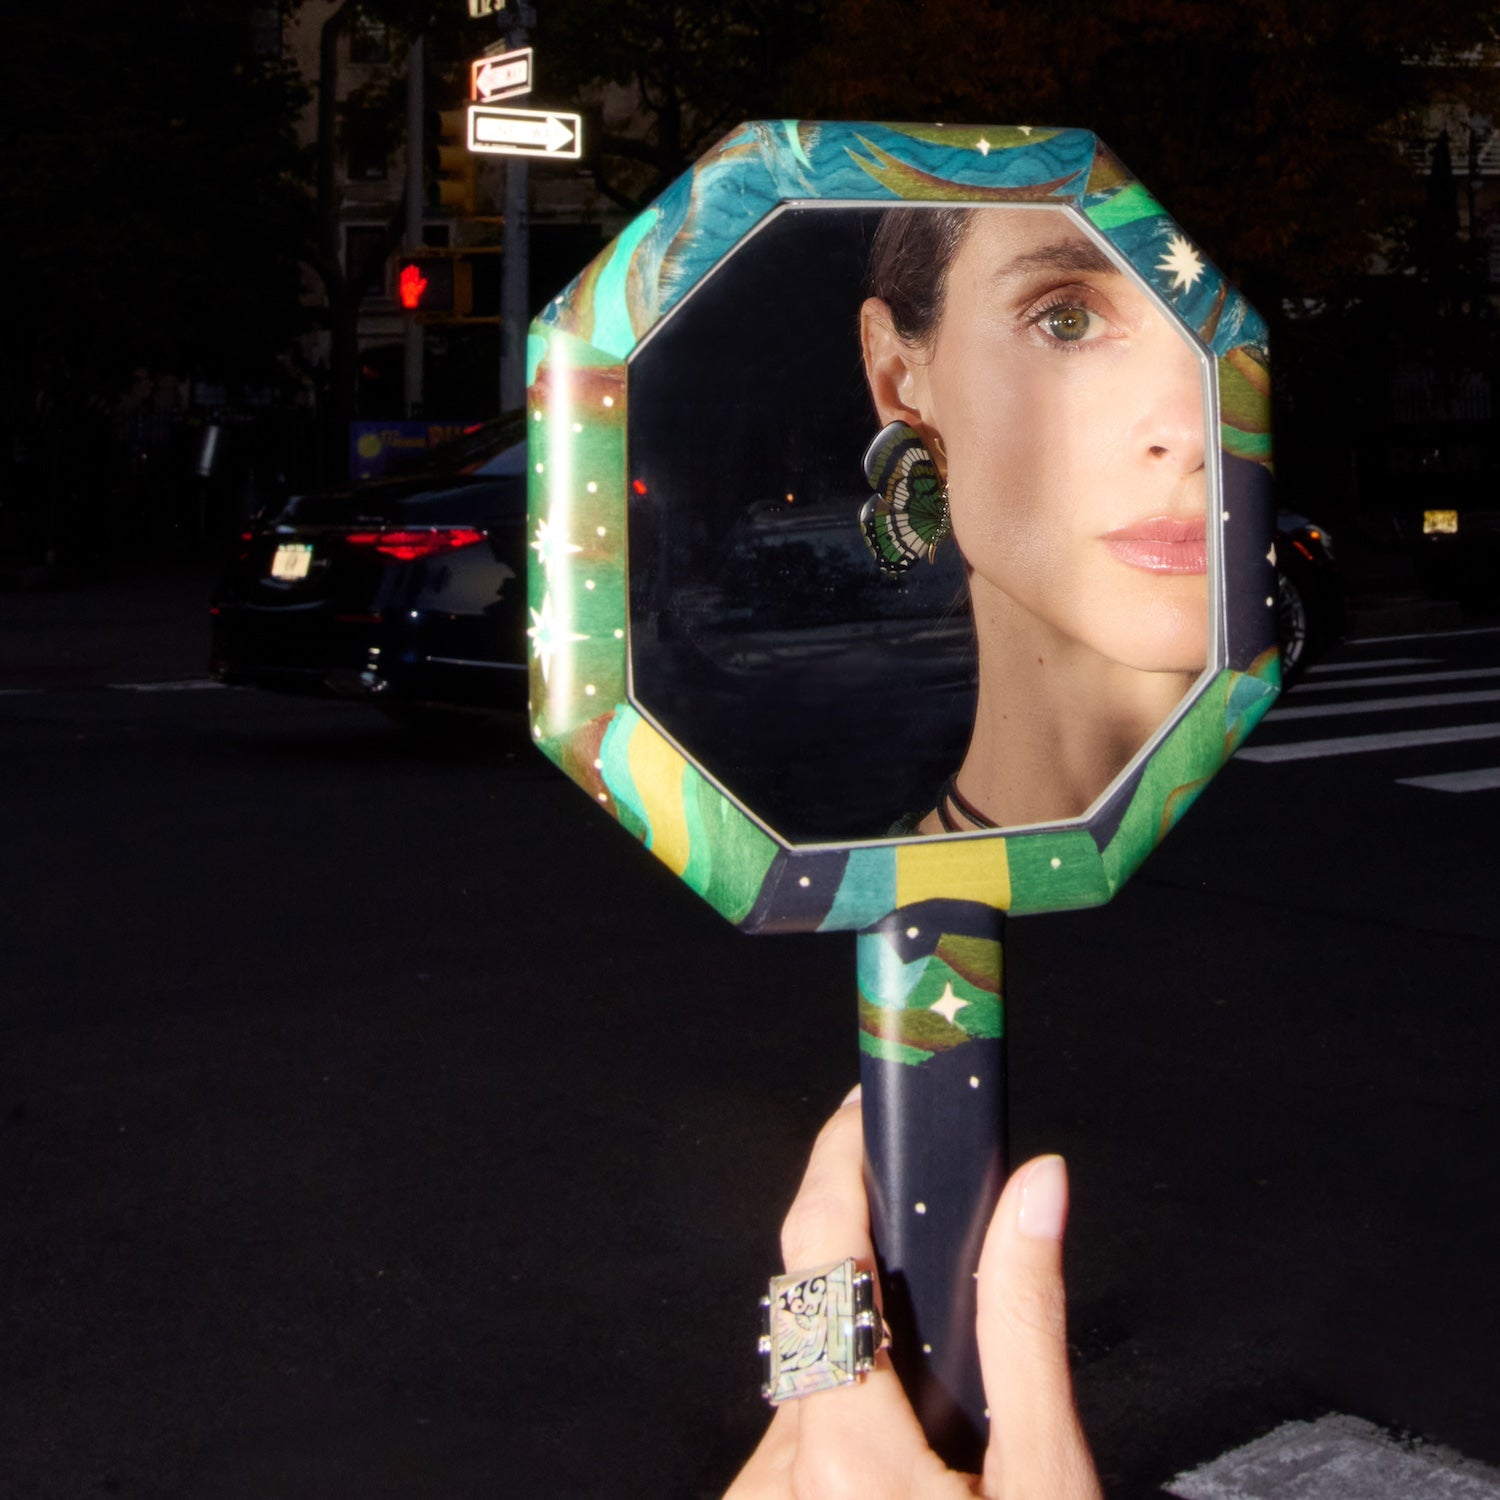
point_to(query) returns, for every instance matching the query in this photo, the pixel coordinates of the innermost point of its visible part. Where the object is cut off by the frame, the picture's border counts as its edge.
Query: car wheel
(1291, 628)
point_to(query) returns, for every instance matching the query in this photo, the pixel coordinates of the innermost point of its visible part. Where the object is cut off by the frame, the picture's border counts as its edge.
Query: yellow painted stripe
(657, 771)
(965, 870)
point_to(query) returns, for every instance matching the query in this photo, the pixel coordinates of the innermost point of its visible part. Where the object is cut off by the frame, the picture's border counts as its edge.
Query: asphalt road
(376, 1118)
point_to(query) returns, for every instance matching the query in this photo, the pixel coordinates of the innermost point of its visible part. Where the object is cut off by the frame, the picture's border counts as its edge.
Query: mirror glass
(1050, 444)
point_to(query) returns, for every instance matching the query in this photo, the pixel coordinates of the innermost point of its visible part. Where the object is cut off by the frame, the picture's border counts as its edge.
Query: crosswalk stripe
(1362, 744)
(1396, 679)
(1323, 668)
(1485, 780)
(1382, 705)
(1424, 636)
(1337, 1458)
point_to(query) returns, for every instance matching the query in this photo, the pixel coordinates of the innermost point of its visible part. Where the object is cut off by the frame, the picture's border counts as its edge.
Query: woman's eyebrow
(1080, 256)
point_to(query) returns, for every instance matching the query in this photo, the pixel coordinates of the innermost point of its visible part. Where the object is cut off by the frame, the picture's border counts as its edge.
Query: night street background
(376, 1118)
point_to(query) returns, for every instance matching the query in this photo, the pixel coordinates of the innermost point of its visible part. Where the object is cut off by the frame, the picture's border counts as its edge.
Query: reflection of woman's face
(1070, 412)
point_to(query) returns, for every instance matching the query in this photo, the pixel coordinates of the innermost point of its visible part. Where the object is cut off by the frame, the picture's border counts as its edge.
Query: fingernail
(1044, 1200)
(853, 1096)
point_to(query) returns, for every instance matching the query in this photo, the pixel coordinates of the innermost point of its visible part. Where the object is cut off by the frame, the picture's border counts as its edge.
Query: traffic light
(435, 285)
(451, 167)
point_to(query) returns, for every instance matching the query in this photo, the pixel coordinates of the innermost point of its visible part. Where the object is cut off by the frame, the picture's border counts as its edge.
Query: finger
(1037, 1446)
(860, 1439)
(829, 1217)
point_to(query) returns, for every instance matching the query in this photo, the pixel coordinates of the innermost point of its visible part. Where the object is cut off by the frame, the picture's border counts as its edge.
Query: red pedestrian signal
(411, 285)
(433, 283)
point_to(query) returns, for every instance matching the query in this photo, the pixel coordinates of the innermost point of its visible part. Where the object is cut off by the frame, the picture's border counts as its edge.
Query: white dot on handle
(912, 932)
(588, 690)
(926, 1348)
(603, 797)
(1056, 863)
(598, 764)
(588, 583)
(804, 882)
(619, 635)
(921, 1208)
(973, 1083)
(578, 427)
(1270, 602)
(539, 468)
(600, 531)
(592, 487)
(609, 400)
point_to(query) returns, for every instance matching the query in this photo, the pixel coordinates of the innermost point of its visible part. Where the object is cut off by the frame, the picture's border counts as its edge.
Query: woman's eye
(1071, 324)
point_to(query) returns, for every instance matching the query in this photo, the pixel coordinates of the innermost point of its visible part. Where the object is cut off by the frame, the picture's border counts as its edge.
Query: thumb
(1036, 1448)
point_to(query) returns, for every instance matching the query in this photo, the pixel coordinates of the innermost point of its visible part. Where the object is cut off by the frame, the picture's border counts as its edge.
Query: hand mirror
(902, 524)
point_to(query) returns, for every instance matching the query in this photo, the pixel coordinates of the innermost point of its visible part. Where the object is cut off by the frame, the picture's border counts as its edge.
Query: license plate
(292, 560)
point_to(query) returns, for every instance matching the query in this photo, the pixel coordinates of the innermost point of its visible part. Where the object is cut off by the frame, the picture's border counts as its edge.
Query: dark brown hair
(909, 260)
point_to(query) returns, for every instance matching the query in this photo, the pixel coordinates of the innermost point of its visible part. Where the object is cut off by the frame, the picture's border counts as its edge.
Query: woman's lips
(1161, 544)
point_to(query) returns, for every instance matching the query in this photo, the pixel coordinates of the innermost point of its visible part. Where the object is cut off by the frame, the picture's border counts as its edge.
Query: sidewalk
(149, 628)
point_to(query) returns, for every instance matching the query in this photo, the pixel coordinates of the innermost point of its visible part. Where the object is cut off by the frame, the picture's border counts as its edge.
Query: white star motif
(948, 1005)
(547, 636)
(982, 146)
(552, 546)
(1182, 263)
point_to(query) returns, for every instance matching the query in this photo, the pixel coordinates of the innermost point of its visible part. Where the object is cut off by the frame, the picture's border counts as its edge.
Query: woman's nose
(1170, 428)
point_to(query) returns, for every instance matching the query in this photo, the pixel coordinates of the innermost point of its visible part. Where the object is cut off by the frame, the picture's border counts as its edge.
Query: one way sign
(524, 132)
(494, 78)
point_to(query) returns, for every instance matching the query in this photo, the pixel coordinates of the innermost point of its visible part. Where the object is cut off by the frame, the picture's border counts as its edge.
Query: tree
(154, 197)
(1273, 131)
(153, 207)
(667, 78)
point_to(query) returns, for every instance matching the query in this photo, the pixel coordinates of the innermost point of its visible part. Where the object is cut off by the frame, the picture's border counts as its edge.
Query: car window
(507, 462)
(483, 445)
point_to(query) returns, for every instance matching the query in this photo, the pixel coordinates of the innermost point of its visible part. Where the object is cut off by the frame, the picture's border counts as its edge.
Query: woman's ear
(896, 371)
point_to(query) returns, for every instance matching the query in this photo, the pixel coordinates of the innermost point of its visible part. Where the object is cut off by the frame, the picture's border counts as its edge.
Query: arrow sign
(524, 132)
(502, 77)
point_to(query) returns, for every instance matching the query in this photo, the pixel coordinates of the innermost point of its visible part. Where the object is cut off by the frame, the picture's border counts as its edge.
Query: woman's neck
(1055, 722)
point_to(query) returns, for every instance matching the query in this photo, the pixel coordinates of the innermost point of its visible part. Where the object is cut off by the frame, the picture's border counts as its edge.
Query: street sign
(524, 132)
(494, 78)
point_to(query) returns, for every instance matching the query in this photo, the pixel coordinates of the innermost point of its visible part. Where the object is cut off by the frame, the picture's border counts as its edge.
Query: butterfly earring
(907, 516)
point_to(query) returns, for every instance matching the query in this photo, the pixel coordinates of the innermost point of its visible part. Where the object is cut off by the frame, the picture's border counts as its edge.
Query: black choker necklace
(949, 794)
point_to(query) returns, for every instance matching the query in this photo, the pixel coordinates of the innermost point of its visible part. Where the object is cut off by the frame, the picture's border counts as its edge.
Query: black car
(1309, 593)
(408, 593)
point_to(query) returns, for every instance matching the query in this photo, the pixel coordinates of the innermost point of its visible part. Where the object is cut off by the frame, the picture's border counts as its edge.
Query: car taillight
(408, 546)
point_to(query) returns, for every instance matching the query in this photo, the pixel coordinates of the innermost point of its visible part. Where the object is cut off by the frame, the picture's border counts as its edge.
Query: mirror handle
(932, 1066)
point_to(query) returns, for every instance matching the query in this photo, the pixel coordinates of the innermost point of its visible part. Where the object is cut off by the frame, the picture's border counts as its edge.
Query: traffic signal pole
(515, 264)
(416, 89)
(514, 273)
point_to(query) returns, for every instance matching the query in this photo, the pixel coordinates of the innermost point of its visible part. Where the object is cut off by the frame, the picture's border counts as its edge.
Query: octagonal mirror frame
(584, 715)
